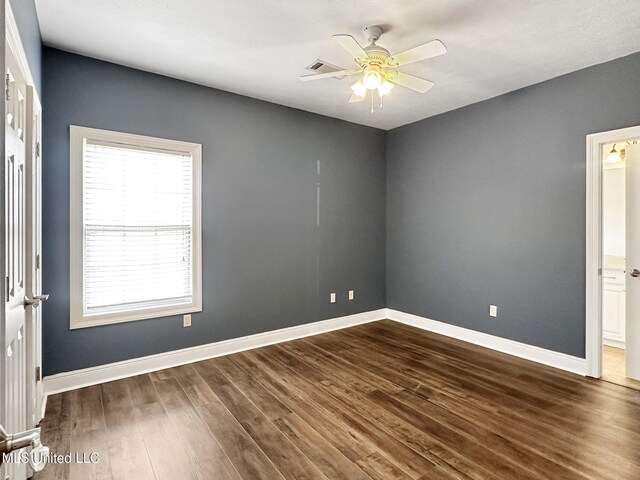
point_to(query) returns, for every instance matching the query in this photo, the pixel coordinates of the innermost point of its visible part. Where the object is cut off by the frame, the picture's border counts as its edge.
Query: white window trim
(78, 136)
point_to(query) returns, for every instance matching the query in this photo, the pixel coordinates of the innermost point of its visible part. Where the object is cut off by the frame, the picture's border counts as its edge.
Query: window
(135, 227)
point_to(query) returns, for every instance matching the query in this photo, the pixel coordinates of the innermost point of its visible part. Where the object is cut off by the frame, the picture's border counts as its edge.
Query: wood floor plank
(56, 429)
(608, 458)
(502, 364)
(246, 456)
(88, 431)
(413, 461)
(536, 463)
(327, 458)
(377, 466)
(119, 414)
(196, 389)
(494, 438)
(404, 431)
(168, 456)
(86, 412)
(479, 395)
(83, 446)
(269, 405)
(285, 456)
(201, 446)
(527, 402)
(129, 458)
(578, 390)
(330, 428)
(324, 455)
(376, 401)
(625, 442)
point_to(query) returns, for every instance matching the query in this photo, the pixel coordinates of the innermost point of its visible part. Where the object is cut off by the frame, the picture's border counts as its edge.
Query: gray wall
(266, 265)
(486, 205)
(27, 21)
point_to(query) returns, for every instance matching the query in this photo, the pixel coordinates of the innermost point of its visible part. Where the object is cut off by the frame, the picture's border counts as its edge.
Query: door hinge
(38, 374)
(38, 261)
(7, 83)
(37, 149)
(6, 282)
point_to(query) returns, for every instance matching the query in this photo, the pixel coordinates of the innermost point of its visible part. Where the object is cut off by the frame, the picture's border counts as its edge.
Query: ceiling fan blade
(338, 73)
(416, 84)
(351, 45)
(355, 98)
(430, 49)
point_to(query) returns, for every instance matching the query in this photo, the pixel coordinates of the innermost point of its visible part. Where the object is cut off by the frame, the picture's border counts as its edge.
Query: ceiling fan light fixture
(359, 89)
(384, 88)
(378, 67)
(372, 77)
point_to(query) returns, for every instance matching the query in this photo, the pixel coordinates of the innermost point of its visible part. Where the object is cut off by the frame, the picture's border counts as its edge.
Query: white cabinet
(613, 307)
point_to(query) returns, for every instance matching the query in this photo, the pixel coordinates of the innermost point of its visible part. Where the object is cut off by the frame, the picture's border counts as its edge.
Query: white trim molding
(593, 243)
(504, 345)
(78, 139)
(66, 381)
(14, 42)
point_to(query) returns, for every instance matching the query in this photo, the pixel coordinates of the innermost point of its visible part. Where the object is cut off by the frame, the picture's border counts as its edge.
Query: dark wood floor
(380, 401)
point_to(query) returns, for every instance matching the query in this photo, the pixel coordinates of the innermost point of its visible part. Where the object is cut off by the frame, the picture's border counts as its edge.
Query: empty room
(350, 240)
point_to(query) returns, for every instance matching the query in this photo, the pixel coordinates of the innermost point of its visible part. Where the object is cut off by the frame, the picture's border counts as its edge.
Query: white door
(33, 281)
(632, 330)
(19, 323)
(14, 409)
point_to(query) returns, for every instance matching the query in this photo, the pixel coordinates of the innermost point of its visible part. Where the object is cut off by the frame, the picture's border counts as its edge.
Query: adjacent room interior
(326, 240)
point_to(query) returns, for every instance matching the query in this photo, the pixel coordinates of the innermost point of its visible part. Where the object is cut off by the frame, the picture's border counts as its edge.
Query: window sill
(88, 321)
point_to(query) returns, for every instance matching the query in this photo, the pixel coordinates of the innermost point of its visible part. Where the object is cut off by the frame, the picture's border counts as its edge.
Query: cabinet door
(613, 314)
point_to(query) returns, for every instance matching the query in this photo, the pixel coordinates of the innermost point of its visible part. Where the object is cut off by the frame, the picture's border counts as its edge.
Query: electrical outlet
(186, 320)
(493, 310)
(332, 298)
(351, 295)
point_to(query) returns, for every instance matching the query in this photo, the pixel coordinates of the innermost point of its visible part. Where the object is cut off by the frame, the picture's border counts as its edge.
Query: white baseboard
(522, 350)
(66, 381)
(613, 343)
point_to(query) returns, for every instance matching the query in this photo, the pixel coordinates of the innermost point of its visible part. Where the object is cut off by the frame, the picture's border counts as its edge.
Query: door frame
(33, 262)
(593, 270)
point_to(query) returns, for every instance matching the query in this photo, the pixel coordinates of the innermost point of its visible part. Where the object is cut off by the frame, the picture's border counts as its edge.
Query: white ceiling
(260, 47)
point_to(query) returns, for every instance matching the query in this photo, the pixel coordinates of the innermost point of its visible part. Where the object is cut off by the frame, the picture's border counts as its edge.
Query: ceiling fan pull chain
(380, 101)
(372, 95)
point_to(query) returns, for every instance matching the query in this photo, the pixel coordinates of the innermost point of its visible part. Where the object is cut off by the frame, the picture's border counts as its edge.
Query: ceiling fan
(380, 67)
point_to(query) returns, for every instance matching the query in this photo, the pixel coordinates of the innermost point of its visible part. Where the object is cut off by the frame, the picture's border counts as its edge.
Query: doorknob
(28, 438)
(31, 302)
(35, 301)
(635, 272)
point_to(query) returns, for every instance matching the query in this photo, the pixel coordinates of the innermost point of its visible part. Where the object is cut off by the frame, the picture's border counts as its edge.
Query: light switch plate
(493, 310)
(332, 298)
(186, 320)
(351, 295)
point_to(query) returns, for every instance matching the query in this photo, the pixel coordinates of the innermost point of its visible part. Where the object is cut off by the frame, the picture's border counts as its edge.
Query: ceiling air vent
(320, 66)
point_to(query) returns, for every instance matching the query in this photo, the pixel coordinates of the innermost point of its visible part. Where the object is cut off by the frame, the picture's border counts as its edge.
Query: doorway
(614, 264)
(613, 257)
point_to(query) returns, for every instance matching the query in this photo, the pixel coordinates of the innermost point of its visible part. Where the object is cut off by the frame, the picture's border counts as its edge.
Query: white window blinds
(137, 228)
